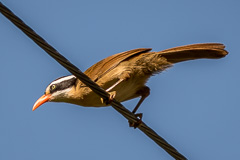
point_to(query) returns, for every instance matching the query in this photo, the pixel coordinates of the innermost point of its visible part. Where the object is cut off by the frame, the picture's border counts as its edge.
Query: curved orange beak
(40, 101)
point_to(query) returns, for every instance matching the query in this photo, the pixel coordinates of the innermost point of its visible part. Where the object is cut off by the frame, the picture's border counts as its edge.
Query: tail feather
(194, 51)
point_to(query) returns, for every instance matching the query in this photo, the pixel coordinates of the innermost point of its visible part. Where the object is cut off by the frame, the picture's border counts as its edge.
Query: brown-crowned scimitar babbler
(124, 75)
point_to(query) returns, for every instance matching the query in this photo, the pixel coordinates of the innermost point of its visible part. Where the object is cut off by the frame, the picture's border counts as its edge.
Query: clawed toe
(138, 123)
(110, 98)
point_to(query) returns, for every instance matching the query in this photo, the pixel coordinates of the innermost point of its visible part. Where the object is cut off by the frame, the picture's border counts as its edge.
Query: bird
(124, 75)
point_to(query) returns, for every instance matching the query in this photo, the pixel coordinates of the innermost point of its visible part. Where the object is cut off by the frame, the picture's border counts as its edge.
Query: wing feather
(102, 67)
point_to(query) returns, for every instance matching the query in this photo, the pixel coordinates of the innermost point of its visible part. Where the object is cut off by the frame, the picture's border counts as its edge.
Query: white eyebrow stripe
(63, 79)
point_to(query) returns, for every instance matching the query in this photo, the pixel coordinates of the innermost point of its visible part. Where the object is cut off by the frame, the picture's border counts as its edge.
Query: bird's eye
(53, 87)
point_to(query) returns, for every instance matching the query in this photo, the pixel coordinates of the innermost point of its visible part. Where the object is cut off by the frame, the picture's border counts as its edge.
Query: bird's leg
(124, 76)
(144, 92)
(114, 85)
(112, 94)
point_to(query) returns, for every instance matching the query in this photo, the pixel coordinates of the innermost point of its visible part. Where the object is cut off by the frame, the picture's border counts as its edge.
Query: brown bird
(124, 75)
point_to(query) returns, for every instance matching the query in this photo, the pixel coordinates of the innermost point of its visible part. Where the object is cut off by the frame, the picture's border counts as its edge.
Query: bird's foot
(138, 123)
(110, 98)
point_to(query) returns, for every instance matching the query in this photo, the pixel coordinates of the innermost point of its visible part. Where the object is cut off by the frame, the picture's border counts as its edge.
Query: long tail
(194, 51)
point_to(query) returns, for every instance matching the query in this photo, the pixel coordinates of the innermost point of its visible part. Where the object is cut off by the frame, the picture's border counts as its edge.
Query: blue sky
(194, 105)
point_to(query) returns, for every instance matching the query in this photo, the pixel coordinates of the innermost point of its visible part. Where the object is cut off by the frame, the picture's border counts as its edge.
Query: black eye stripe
(63, 85)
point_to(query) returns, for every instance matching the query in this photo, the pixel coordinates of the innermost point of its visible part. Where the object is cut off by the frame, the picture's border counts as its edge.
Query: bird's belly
(128, 89)
(125, 90)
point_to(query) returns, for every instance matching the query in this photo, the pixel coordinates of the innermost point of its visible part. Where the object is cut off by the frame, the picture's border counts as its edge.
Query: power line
(87, 81)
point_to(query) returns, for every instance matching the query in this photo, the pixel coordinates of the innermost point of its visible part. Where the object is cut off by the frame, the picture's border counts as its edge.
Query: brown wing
(194, 51)
(99, 69)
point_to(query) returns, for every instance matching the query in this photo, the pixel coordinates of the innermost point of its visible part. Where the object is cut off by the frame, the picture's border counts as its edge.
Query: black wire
(87, 81)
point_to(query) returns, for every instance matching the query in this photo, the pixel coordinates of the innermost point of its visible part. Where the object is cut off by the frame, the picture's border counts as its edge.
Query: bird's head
(60, 90)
